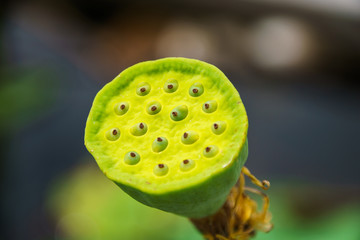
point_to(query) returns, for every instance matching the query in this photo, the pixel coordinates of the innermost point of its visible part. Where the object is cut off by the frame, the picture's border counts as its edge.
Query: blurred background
(295, 64)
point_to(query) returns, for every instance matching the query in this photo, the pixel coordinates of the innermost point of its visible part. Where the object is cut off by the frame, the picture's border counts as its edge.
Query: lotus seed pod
(187, 165)
(211, 151)
(189, 137)
(209, 106)
(196, 90)
(143, 89)
(112, 134)
(218, 127)
(121, 108)
(190, 175)
(179, 113)
(132, 158)
(159, 144)
(138, 129)
(171, 85)
(161, 169)
(153, 108)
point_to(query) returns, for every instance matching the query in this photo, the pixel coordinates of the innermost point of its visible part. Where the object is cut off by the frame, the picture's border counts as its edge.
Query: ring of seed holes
(160, 166)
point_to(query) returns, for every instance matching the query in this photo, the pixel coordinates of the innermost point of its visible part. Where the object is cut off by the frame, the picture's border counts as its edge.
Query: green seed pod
(179, 113)
(121, 108)
(139, 129)
(171, 85)
(131, 158)
(161, 169)
(196, 90)
(143, 89)
(112, 134)
(218, 127)
(210, 151)
(159, 144)
(187, 165)
(161, 179)
(153, 108)
(209, 106)
(189, 137)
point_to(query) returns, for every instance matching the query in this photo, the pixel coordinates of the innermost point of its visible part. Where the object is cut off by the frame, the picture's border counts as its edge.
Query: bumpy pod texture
(172, 133)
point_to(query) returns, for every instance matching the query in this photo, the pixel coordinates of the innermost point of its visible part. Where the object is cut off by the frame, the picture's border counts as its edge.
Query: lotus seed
(153, 108)
(179, 113)
(171, 86)
(121, 108)
(209, 106)
(187, 165)
(131, 158)
(196, 90)
(189, 137)
(218, 127)
(143, 89)
(112, 134)
(211, 151)
(159, 144)
(138, 129)
(161, 169)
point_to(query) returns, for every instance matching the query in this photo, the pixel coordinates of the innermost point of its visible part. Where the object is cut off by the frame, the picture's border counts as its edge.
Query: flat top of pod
(165, 125)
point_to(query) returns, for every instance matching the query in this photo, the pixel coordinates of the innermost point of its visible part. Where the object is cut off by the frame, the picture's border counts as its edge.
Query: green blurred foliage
(87, 206)
(25, 95)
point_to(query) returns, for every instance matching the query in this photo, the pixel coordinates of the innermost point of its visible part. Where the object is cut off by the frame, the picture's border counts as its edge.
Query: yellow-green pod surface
(172, 133)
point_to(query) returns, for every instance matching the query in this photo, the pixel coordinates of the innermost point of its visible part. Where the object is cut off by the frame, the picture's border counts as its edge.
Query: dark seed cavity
(114, 132)
(216, 126)
(141, 125)
(195, 90)
(132, 154)
(161, 165)
(186, 161)
(207, 149)
(207, 105)
(186, 135)
(159, 139)
(142, 89)
(122, 107)
(170, 86)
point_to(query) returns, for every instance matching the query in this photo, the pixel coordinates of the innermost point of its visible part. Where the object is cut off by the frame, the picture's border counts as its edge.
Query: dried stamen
(174, 114)
(114, 132)
(195, 90)
(207, 149)
(142, 89)
(153, 108)
(132, 154)
(161, 165)
(207, 105)
(122, 107)
(186, 134)
(159, 139)
(170, 86)
(186, 161)
(216, 126)
(141, 125)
